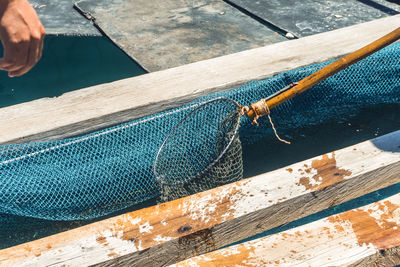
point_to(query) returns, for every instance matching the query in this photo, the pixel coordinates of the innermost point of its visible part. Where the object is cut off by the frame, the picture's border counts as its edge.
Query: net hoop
(212, 163)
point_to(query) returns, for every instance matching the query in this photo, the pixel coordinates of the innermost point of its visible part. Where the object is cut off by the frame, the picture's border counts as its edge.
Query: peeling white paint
(203, 208)
(268, 190)
(134, 220)
(160, 239)
(140, 245)
(145, 228)
(82, 252)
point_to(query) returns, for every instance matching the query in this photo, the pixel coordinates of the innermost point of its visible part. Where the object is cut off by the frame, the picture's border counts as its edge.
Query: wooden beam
(176, 230)
(366, 236)
(101, 106)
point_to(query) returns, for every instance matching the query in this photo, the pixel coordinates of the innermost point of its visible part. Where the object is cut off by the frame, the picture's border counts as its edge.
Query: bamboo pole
(263, 106)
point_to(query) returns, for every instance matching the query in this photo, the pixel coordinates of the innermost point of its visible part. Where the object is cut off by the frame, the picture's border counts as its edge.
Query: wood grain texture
(176, 230)
(365, 236)
(179, 32)
(101, 106)
(385, 257)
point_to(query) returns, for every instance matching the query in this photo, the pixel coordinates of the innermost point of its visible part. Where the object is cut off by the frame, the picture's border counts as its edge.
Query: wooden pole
(259, 109)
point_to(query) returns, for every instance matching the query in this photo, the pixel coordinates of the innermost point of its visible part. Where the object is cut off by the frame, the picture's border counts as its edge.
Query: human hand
(22, 35)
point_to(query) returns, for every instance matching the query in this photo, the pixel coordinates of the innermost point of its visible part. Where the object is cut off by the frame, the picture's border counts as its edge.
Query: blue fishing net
(106, 171)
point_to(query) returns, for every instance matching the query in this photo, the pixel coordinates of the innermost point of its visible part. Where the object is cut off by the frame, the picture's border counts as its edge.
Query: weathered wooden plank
(163, 34)
(173, 231)
(385, 257)
(307, 17)
(104, 105)
(60, 18)
(363, 236)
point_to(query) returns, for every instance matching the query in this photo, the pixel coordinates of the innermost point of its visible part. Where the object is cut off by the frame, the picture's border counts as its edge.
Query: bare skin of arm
(22, 35)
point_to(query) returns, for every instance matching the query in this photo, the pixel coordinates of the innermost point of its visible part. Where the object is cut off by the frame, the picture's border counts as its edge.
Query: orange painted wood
(369, 235)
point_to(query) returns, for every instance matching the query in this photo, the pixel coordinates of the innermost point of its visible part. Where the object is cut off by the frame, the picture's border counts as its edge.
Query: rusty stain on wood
(113, 255)
(239, 258)
(327, 173)
(373, 227)
(101, 239)
(188, 217)
(363, 235)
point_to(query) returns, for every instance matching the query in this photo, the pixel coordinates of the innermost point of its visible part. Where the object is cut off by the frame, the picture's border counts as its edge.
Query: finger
(42, 42)
(32, 58)
(16, 62)
(4, 64)
(5, 61)
(18, 54)
(34, 53)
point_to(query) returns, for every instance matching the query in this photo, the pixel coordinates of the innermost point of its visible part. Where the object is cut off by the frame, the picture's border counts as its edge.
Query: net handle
(258, 109)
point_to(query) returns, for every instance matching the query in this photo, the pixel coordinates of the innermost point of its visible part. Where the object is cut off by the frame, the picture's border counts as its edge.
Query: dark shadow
(389, 142)
(260, 20)
(367, 123)
(394, 1)
(380, 7)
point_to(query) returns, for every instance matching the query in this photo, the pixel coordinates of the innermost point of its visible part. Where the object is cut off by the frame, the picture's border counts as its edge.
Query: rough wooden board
(60, 18)
(162, 34)
(307, 17)
(101, 106)
(385, 257)
(173, 231)
(352, 236)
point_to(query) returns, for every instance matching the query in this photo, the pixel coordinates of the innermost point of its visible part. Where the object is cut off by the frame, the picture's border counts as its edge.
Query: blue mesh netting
(102, 172)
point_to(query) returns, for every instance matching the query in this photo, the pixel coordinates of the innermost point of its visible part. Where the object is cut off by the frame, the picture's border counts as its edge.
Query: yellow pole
(258, 109)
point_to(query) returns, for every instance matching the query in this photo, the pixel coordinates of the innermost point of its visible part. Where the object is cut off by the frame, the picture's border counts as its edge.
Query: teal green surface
(104, 172)
(68, 63)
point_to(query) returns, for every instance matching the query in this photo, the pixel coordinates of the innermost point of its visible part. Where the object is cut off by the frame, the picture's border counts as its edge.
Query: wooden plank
(173, 231)
(365, 236)
(101, 106)
(307, 17)
(162, 34)
(60, 18)
(385, 257)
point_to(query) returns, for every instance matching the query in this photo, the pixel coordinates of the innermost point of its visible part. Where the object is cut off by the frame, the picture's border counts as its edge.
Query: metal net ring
(203, 151)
